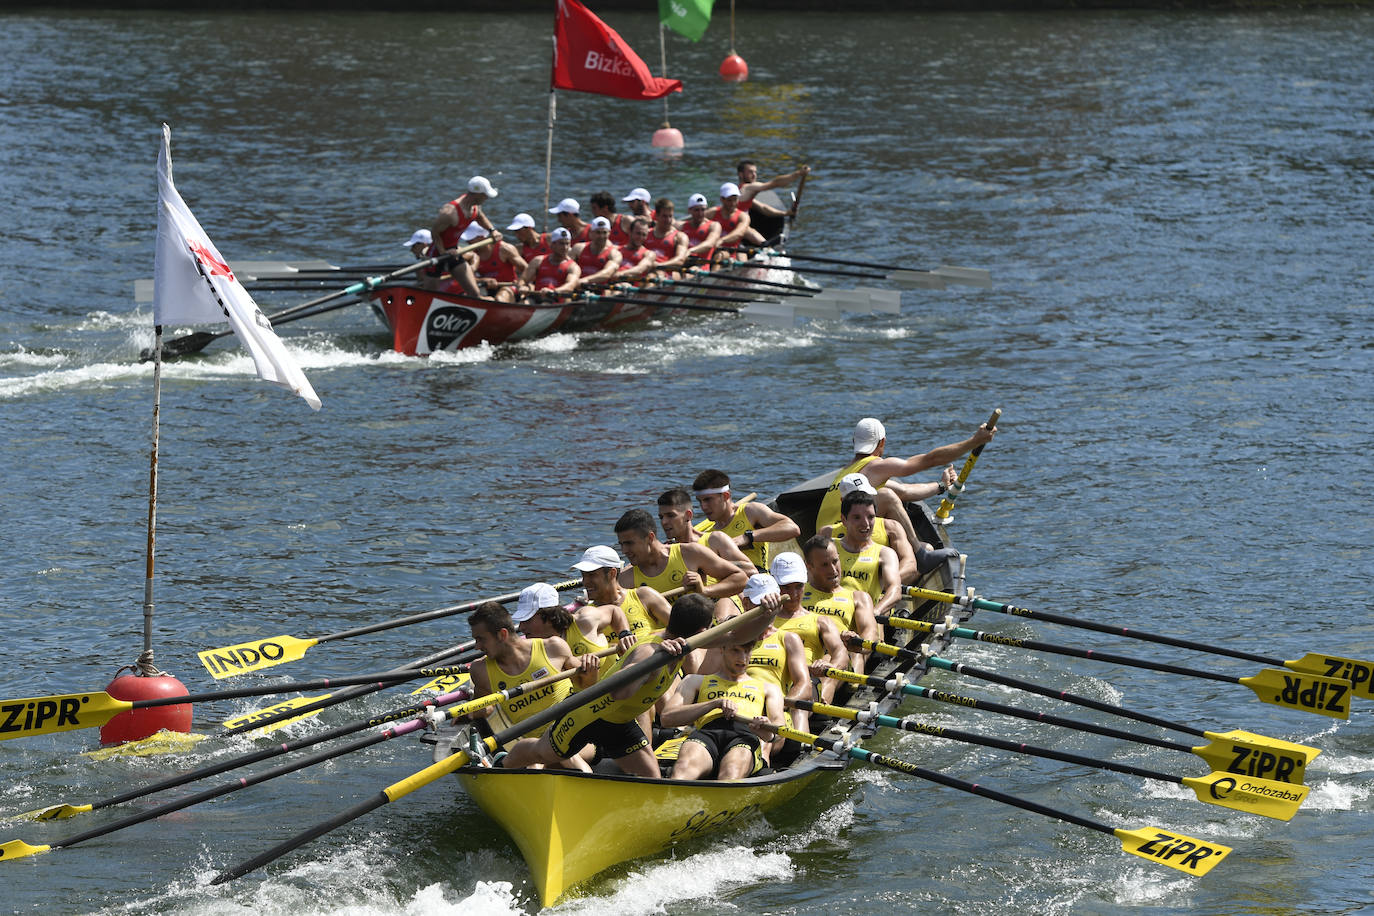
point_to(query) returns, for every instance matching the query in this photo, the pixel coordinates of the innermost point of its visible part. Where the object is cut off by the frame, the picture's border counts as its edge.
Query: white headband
(713, 491)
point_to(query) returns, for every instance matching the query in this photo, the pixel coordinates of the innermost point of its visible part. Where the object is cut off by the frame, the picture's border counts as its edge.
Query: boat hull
(427, 321)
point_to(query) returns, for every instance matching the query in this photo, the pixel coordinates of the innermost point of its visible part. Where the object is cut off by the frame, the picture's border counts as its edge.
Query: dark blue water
(1176, 211)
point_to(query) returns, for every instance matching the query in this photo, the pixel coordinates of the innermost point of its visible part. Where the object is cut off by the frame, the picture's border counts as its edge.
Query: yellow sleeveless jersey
(838, 604)
(738, 524)
(806, 625)
(672, 575)
(747, 693)
(641, 622)
(768, 661)
(829, 512)
(861, 571)
(521, 707)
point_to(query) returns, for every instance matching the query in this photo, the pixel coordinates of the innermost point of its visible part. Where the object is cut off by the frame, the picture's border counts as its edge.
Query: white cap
(567, 205)
(729, 189)
(479, 185)
(521, 221)
(420, 237)
(598, 558)
(696, 200)
(788, 568)
(560, 235)
(851, 482)
(638, 194)
(868, 432)
(759, 586)
(473, 231)
(601, 222)
(535, 596)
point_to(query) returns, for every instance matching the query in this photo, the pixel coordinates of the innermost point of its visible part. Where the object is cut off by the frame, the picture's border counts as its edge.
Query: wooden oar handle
(942, 514)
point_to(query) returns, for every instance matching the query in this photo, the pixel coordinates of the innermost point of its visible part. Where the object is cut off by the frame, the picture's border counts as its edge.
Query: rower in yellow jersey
(779, 657)
(820, 636)
(753, 526)
(727, 710)
(512, 660)
(675, 515)
(664, 567)
(544, 616)
(824, 594)
(870, 440)
(614, 723)
(865, 565)
(643, 608)
(887, 531)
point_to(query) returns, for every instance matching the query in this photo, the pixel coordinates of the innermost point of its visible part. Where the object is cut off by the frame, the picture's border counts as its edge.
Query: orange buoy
(668, 137)
(137, 724)
(733, 69)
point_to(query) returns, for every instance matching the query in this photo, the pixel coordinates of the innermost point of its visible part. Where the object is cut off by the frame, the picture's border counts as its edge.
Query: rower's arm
(898, 467)
(737, 233)
(726, 548)
(574, 279)
(769, 525)
(712, 239)
(680, 712)
(527, 275)
(891, 579)
(906, 554)
(654, 602)
(836, 655)
(730, 579)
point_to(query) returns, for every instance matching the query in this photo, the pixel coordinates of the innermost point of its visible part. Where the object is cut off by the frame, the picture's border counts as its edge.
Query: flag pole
(663, 68)
(553, 116)
(152, 498)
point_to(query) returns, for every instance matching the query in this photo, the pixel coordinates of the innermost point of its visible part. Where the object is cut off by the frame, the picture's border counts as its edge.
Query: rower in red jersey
(636, 260)
(568, 215)
(702, 234)
(554, 273)
(598, 258)
(638, 201)
(453, 218)
(734, 222)
(665, 240)
(498, 267)
(532, 244)
(603, 204)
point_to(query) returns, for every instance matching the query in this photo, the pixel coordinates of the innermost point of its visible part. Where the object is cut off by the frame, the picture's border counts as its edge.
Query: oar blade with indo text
(29, 716)
(1185, 853)
(246, 657)
(1264, 797)
(1300, 690)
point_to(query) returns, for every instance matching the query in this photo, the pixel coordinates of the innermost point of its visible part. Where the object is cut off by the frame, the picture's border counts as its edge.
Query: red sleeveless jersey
(663, 248)
(492, 267)
(549, 275)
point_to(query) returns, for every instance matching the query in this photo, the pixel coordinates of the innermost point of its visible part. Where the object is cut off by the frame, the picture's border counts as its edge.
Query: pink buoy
(667, 137)
(733, 69)
(137, 724)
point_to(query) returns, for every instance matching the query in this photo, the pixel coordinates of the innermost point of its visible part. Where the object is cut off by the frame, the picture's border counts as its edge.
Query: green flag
(686, 17)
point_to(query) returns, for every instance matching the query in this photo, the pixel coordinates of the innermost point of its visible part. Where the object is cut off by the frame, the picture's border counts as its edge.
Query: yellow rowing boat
(570, 826)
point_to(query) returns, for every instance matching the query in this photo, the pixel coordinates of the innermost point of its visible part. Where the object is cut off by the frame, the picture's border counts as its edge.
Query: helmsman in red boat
(454, 217)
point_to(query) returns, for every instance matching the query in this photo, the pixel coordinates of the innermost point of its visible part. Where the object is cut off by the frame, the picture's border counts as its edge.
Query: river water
(1176, 210)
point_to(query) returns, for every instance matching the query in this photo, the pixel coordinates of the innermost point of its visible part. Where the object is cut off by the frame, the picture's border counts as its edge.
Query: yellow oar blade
(1196, 857)
(444, 683)
(24, 718)
(258, 715)
(52, 813)
(1359, 674)
(164, 742)
(1248, 754)
(1314, 693)
(1253, 796)
(232, 661)
(18, 849)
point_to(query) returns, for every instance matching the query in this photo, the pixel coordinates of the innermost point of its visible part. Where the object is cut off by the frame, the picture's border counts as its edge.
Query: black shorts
(612, 739)
(720, 739)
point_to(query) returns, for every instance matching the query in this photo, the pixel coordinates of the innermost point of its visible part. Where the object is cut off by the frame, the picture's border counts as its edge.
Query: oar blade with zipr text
(29, 716)
(1185, 853)
(1314, 693)
(1360, 674)
(1247, 754)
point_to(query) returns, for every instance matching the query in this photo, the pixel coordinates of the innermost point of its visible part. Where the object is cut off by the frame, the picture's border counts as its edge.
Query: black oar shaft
(349, 693)
(379, 681)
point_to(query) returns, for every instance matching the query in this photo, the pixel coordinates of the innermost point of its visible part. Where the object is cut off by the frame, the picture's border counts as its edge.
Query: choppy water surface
(1175, 207)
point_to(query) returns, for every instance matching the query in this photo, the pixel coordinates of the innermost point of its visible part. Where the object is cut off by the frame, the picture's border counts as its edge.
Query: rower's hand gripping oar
(457, 761)
(1354, 670)
(1248, 794)
(231, 661)
(945, 514)
(199, 340)
(1252, 760)
(1323, 696)
(1166, 847)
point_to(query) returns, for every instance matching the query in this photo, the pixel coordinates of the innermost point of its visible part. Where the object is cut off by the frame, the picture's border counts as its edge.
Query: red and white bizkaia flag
(590, 57)
(192, 284)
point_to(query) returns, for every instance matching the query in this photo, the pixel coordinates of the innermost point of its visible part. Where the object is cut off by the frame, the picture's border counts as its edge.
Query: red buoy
(137, 724)
(733, 69)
